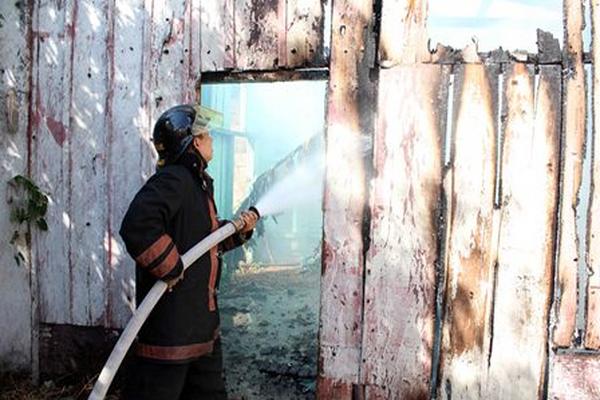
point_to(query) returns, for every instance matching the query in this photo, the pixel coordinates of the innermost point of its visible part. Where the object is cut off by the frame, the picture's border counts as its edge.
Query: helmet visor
(206, 119)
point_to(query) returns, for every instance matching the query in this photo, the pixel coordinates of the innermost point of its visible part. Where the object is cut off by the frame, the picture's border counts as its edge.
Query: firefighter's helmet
(173, 133)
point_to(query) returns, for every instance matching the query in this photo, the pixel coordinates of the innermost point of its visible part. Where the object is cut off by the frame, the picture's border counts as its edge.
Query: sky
(508, 23)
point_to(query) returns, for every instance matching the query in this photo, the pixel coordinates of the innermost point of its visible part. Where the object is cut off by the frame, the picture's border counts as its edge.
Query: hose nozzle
(239, 223)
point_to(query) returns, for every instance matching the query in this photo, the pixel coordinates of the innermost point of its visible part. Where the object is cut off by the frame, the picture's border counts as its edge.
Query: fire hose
(141, 313)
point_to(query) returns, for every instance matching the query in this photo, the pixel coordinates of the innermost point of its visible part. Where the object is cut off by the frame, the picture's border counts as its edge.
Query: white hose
(142, 312)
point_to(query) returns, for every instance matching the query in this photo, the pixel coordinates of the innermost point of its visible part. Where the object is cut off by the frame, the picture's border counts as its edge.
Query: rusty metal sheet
(403, 37)
(18, 292)
(304, 34)
(217, 35)
(87, 146)
(592, 332)
(259, 31)
(345, 194)
(400, 276)
(575, 376)
(52, 30)
(470, 248)
(529, 174)
(126, 128)
(574, 127)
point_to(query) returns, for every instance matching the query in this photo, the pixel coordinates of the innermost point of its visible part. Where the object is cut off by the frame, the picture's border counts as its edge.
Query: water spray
(141, 313)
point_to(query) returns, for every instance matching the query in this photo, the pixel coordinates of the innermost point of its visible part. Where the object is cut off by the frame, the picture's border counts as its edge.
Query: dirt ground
(20, 387)
(269, 323)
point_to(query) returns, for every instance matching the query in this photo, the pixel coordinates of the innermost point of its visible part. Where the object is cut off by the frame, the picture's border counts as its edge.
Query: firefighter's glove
(249, 218)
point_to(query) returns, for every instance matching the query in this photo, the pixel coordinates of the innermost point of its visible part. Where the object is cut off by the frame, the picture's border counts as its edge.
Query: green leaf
(36, 203)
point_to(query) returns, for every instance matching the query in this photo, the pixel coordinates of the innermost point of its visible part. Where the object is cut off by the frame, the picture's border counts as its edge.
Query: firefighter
(178, 353)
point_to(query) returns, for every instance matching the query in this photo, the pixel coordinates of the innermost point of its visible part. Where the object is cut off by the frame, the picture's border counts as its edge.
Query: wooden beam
(529, 173)
(126, 128)
(350, 120)
(470, 250)
(50, 114)
(400, 278)
(87, 144)
(217, 35)
(277, 75)
(305, 29)
(592, 332)
(259, 32)
(574, 112)
(403, 36)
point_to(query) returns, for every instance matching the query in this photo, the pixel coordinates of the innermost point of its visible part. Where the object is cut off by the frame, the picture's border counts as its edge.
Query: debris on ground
(20, 387)
(269, 319)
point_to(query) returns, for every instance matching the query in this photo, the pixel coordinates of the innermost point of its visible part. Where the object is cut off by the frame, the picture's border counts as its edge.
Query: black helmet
(173, 133)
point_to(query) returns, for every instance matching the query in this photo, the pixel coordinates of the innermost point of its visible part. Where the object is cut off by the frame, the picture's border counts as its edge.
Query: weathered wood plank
(350, 113)
(151, 98)
(192, 51)
(373, 392)
(592, 332)
(250, 35)
(266, 76)
(575, 376)
(470, 249)
(403, 36)
(400, 279)
(16, 307)
(87, 143)
(125, 126)
(52, 33)
(258, 32)
(217, 35)
(530, 166)
(172, 48)
(171, 64)
(574, 112)
(332, 389)
(304, 33)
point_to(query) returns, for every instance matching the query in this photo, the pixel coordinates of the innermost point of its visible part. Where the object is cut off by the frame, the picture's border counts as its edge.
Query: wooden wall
(464, 281)
(102, 72)
(451, 261)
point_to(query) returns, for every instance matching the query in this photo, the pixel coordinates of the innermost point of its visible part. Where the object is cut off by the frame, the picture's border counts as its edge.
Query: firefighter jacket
(171, 213)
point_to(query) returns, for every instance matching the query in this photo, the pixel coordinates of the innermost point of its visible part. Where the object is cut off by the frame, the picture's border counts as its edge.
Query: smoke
(302, 186)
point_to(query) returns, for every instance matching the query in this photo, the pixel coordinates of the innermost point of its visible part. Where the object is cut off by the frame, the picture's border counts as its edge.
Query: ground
(269, 319)
(19, 387)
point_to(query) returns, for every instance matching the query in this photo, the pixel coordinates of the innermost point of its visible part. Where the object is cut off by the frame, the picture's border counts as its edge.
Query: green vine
(29, 207)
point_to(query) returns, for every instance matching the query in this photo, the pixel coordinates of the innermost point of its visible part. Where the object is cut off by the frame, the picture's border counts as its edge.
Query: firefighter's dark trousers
(198, 380)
